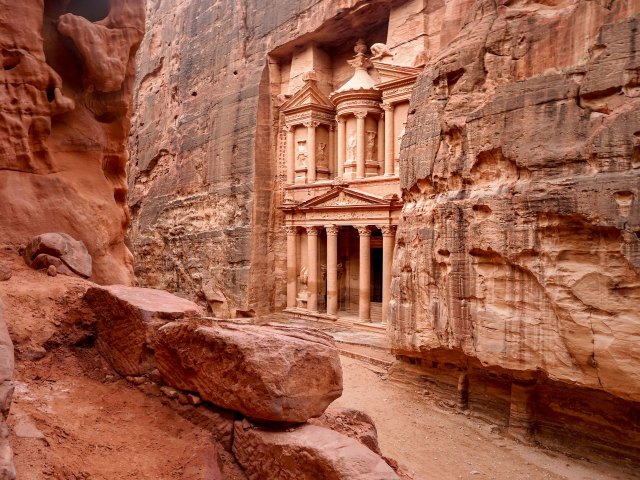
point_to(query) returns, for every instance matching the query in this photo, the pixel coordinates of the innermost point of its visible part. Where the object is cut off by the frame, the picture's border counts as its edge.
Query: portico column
(332, 269)
(311, 151)
(291, 154)
(388, 243)
(389, 140)
(364, 302)
(292, 267)
(342, 145)
(361, 143)
(312, 262)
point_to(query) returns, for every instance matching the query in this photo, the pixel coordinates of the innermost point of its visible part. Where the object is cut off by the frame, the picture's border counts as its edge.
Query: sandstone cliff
(203, 177)
(66, 86)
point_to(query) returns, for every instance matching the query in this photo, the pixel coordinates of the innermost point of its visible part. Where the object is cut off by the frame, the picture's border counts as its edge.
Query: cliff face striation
(66, 86)
(518, 249)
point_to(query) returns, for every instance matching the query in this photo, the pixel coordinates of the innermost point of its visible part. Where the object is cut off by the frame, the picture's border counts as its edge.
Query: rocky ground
(73, 418)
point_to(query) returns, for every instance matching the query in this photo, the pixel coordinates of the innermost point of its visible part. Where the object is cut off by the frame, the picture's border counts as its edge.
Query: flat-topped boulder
(72, 253)
(273, 373)
(306, 453)
(128, 319)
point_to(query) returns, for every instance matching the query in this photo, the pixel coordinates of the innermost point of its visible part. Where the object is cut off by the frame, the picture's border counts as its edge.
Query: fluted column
(361, 143)
(292, 266)
(291, 154)
(389, 140)
(364, 302)
(388, 243)
(312, 262)
(332, 269)
(311, 151)
(342, 145)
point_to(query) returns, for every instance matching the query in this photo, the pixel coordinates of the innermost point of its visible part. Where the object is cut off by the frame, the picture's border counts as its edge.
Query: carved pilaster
(364, 231)
(388, 230)
(332, 229)
(313, 230)
(291, 230)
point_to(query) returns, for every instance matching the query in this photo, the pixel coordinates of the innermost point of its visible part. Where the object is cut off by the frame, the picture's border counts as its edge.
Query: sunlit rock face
(66, 89)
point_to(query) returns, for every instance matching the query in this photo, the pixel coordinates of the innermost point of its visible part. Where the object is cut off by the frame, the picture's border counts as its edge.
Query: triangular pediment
(391, 73)
(343, 197)
(308, 97)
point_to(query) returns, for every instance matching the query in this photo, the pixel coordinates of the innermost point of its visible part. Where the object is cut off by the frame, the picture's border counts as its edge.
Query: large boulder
(42, 251)
(128, 319)
(352, 423)
(308, 452)
(273, 372)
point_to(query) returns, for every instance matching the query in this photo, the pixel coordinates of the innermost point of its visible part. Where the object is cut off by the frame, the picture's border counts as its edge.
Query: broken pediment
(309, 97)
(391, 73)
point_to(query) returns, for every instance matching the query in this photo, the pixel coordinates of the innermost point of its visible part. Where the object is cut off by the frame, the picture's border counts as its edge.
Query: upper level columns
(291, 154)
(360, 142)
(389, 139)
(342, 145)
(311, 151)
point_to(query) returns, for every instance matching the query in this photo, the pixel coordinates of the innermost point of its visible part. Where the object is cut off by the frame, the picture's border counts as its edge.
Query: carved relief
(371, 150)
(301, 158)
(351, 148)
(321, 155)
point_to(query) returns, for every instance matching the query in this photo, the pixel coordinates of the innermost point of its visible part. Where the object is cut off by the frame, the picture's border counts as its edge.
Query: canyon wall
(66, 88)
(204, 184)
(518, 249)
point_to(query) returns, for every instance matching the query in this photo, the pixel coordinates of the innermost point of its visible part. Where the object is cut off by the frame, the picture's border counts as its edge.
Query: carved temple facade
(341, 197)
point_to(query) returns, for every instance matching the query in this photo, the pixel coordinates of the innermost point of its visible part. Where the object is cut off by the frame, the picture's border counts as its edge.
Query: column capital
(340, 119)
(360, 113)
(387, 106)
(388, 230)
(364, 231)
(332, 229)
(291, 230)
(313, 230)
(311, 124)
(288, 128)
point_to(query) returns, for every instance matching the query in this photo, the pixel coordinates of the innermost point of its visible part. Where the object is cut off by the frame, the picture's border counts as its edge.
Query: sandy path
(440, 444)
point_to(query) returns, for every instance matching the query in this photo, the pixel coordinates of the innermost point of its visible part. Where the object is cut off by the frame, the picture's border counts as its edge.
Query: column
(331, 152)
(291, 154)
(312, 262)
(364, 304)
(311, 151)
(361, 143)
(389, 140)
(342, 145)
(332, 269)
(388, 243)
(381, 134)
(292, 267)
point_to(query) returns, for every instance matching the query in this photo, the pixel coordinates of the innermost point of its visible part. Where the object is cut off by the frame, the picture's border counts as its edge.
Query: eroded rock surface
(307, 452)
(273, 373)
(352, 423)
(62, 154)
(128, 320)
(7, 469)
(519, 239)
(61, 251)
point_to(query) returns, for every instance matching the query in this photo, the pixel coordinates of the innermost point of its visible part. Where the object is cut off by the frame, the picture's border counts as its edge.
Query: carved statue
(371, 145)
(379, 51)
(304, 279)
(301, 158)
(351, 148)
(321, 155)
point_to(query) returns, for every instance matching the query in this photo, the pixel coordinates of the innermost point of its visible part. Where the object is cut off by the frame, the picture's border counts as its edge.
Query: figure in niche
(379, 51)
(304, 279)
(321, 155)
(301, 159)
(371, 145)
(351, 148)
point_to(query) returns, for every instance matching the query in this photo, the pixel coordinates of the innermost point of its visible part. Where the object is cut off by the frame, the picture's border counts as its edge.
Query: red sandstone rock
(43, 251)
(128, 320)
(62, 152)
(7, 469)
(307, 452)
(273, 373)
(5, 272)
(352, 423)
